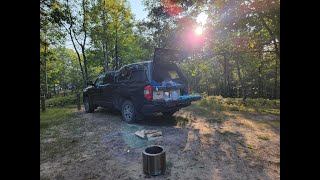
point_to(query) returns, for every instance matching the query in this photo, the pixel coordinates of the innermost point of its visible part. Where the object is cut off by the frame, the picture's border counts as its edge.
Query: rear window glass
(139, 75)
(173, 74)
(166, 72)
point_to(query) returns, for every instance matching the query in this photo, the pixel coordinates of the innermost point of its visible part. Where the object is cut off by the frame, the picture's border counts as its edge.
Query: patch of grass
(234, 108)
(250, 146)
(275, 124)
(54, 116)
(181, 121)
(271, 111)
(56, 149)
(62, 101)
(198, 110)
(263, 137)
(218, 103)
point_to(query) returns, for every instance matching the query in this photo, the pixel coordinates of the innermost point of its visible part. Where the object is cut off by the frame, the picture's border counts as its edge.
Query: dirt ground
(222, 145)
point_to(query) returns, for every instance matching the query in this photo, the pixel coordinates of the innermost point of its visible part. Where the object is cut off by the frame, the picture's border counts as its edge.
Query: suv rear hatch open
(169, 84)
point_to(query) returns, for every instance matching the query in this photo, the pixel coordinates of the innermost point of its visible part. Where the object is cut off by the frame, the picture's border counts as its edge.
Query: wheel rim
(127, 111)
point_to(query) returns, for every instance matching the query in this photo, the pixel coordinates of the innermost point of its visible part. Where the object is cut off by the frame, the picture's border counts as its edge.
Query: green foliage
(62, 101)
(218, 103)
(238, 59)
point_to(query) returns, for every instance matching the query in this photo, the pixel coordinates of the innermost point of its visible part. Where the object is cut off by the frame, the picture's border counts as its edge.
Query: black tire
(128, 112)
(88, 105)
(168, 114)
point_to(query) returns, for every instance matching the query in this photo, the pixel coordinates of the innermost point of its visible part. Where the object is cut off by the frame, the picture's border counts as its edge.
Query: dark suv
(142, 88)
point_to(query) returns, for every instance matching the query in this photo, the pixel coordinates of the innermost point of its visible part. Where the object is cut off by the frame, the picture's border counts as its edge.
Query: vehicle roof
(143, 62)
(137, 63)
(116, 71)
(107, 72)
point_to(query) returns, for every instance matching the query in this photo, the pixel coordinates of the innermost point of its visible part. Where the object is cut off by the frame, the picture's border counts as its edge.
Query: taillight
(189, 91)
(147, 91)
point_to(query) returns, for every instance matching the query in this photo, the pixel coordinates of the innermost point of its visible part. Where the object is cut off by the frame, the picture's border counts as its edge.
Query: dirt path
(100, 145)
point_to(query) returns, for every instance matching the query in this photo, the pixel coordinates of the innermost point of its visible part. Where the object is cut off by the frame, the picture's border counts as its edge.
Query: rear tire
(88, 105)
(128, 112)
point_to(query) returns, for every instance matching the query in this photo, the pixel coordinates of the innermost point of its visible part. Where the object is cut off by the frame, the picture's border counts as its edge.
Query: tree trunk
(241, 81)
(73, 43)
(78, 101)
(45, 65)
(79, 58)
(54, 90)
(229, 92)
(43, 103)
(85, 64)
(275, 81)
(225, 73)
(277, 51)
(104, 43)
(260, 77)
(207, 84)
(260, 81)
(84, 42)
(116, 50)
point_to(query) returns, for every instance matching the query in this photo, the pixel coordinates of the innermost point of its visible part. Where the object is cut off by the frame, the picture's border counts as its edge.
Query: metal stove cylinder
(154, 160)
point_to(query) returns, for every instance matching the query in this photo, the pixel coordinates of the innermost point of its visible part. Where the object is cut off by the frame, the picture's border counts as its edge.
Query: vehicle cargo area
(169, 85)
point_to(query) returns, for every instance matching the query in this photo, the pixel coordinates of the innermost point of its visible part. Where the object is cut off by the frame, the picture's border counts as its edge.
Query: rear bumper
(166, 106)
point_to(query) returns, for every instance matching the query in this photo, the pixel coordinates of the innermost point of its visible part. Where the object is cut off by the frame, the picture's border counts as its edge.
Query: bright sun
(202, 18)
(199, 30)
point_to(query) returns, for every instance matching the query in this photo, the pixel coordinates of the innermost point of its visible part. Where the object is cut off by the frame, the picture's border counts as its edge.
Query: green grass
(271, 111)
(218, 103)
(62, 101)
(263, 137)
(54, 116)
(250, 146)
(273, 124)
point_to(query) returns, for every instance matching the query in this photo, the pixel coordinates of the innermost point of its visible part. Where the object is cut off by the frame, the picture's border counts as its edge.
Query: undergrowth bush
(62, 101)
(219, 103)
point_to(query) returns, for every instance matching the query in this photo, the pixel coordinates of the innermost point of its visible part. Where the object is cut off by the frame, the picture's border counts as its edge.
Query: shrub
(61, 101)
(218, 103)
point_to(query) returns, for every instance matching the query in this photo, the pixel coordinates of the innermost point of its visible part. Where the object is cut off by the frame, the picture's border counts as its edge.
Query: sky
(137, 9)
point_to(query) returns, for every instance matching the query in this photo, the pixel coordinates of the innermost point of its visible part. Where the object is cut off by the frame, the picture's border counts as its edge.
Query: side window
(109, 79)
(139, 75)
(124, 75)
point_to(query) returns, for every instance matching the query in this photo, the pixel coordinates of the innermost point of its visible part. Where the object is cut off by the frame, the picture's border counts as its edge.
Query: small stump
(154, 160)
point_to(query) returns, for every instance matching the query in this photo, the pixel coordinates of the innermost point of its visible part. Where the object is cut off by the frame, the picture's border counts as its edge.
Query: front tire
(128, 112)
(88, 105)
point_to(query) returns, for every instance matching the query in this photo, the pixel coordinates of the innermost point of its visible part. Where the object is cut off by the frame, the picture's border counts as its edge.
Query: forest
(233, 46)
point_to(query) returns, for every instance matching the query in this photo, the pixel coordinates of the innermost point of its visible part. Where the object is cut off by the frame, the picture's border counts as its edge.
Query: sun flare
(199, 30)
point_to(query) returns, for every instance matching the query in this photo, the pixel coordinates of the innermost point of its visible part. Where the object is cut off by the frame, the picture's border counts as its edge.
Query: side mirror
(90, 83)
